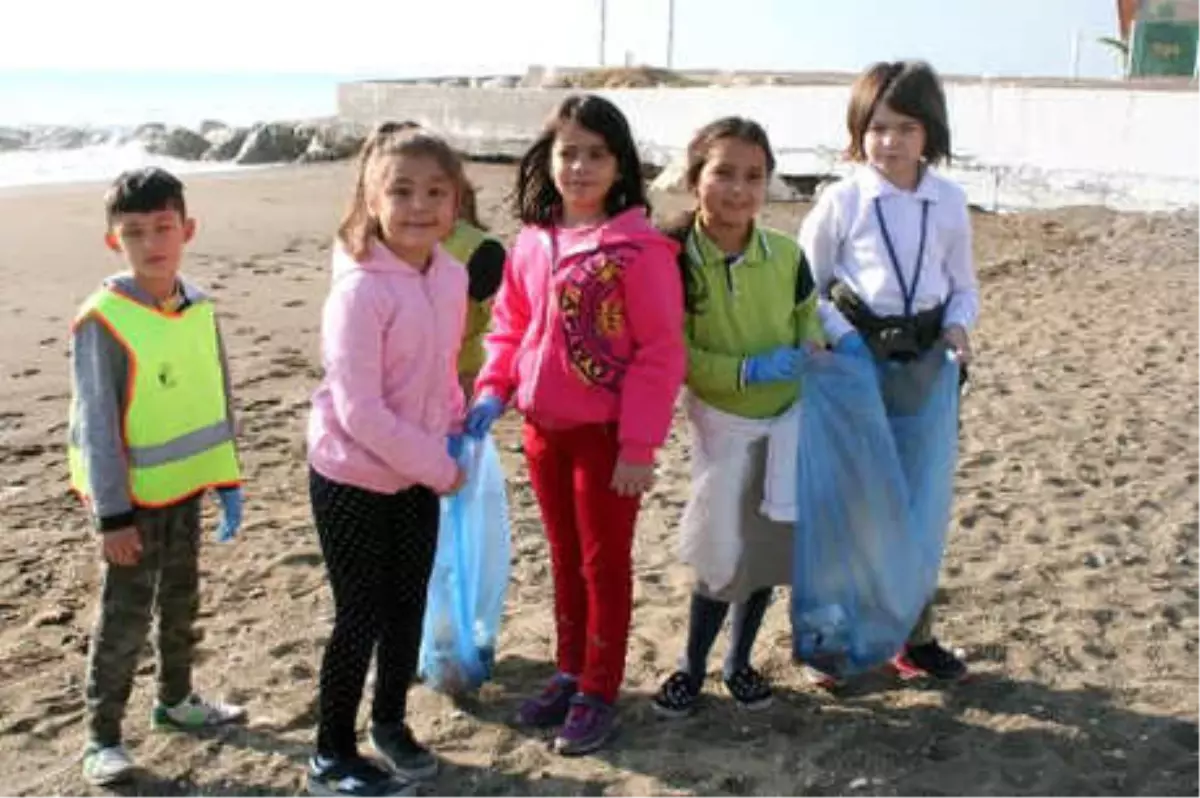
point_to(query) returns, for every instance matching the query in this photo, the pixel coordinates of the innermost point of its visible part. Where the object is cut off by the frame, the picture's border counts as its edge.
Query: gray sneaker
(105, 765)
(354, 777)
(407, 758)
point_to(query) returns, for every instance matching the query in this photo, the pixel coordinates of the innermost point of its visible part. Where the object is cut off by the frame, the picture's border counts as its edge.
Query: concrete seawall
(1016, 145)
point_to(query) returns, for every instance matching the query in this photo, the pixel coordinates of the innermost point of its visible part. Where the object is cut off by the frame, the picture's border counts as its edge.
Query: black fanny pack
(890, 337)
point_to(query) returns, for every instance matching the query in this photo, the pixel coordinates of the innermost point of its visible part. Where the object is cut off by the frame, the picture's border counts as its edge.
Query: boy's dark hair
(911, 88)
(358, 227)
(144, 191)
(537, 201)
(678, 228)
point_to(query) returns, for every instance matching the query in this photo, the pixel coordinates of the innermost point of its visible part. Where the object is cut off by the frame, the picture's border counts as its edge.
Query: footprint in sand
(310, 559)
(256, 405)
(22, 452)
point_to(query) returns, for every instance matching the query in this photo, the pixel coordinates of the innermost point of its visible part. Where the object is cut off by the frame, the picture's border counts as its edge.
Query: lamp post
(603, 27)
(670, 34)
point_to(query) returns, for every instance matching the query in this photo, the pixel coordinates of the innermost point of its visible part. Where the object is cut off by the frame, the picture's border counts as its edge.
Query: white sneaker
(104, 766)
(195, 713)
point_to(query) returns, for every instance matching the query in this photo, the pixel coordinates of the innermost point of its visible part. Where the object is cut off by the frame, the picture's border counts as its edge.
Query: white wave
(93, 163)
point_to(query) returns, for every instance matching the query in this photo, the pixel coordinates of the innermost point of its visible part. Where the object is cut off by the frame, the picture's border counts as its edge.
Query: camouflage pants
(166, 577)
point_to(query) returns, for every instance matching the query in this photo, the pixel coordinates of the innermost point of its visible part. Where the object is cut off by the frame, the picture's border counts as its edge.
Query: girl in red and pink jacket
(587, 342)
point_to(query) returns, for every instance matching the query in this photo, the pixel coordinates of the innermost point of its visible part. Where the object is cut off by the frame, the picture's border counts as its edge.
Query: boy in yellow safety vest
(150, 432)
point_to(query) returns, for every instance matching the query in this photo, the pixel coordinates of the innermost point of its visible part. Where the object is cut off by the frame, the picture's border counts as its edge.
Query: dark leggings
(378, 552)
(706, 617)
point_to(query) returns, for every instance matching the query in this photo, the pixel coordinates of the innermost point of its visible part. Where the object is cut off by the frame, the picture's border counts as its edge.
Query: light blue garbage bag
(469, 579)
(878, 448)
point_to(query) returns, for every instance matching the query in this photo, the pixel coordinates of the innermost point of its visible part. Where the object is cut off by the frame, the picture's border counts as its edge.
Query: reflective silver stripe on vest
(182, 447)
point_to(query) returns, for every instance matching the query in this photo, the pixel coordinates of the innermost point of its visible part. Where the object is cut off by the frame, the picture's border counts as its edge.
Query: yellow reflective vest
(176, 429)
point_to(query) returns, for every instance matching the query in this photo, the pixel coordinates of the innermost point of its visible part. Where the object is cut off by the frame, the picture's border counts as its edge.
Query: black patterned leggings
(378, 552)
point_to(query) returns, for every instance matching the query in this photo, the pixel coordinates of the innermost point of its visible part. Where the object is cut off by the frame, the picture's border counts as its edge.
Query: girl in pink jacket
(378, 447)
(587, 341)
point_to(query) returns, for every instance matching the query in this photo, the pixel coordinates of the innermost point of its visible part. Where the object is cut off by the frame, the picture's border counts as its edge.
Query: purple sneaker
(590, 724)
(550, 707)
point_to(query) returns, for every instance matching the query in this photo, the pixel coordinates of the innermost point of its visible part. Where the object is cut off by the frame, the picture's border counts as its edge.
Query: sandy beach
(1070, 580)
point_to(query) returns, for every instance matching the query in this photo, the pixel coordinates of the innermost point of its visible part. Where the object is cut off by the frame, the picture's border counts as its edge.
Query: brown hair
(911, 88)
(468, 204)
(391, 139)
(537, 201)
(727, 127)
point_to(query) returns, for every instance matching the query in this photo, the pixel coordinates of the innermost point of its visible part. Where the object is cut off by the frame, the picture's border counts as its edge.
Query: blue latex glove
(778, 365)
(454, 446)
(852, 344)
(231, 513)
(482, 416)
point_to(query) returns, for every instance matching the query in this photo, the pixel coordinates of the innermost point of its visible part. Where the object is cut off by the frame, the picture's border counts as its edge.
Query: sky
(398, 38)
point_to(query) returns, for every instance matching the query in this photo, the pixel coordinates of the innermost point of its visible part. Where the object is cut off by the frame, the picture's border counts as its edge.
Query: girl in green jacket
(751, 307)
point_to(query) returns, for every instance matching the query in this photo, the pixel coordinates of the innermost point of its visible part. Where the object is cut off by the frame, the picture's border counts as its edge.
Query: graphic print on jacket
(591, 305)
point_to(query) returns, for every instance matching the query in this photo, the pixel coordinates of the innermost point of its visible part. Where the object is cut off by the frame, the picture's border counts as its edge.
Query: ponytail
(678, 228)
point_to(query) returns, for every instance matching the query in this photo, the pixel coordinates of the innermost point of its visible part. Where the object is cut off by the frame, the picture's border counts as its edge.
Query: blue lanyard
(908, 292)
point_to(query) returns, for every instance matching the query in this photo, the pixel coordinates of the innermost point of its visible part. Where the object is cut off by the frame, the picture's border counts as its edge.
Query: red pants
(590, 531)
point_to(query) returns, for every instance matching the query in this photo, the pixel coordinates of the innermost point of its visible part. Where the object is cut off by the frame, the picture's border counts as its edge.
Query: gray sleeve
(100, 369)
(228, 384)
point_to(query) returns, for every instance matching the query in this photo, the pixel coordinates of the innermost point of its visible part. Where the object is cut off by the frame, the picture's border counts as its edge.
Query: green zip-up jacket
(746, 305)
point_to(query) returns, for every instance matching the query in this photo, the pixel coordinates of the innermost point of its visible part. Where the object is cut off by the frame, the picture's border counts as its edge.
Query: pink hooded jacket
(587, 328)
(389, 344)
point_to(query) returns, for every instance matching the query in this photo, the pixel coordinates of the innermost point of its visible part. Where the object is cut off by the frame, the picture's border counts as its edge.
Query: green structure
(1164, 40)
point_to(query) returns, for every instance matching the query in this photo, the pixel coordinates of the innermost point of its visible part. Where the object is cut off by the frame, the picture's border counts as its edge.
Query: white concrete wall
(1015, 145)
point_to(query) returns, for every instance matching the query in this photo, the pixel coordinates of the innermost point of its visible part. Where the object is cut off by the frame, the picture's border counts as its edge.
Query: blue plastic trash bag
(878, 448)
(469, 579)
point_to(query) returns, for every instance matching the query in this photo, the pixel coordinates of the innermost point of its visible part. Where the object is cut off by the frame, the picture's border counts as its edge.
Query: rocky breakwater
(264, 143)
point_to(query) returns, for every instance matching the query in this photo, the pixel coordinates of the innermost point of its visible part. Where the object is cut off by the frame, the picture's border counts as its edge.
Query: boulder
(333, 142)
(177, 142)
(672, 179)
(275, 142)
(13, 138)
(208, 126)
(224, 144)
(148, 130)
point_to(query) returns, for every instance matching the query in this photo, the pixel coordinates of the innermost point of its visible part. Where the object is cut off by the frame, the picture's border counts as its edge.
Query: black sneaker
(929, 660)
(677, 696)
(749, 689)
(355, 777)
(407, 758)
